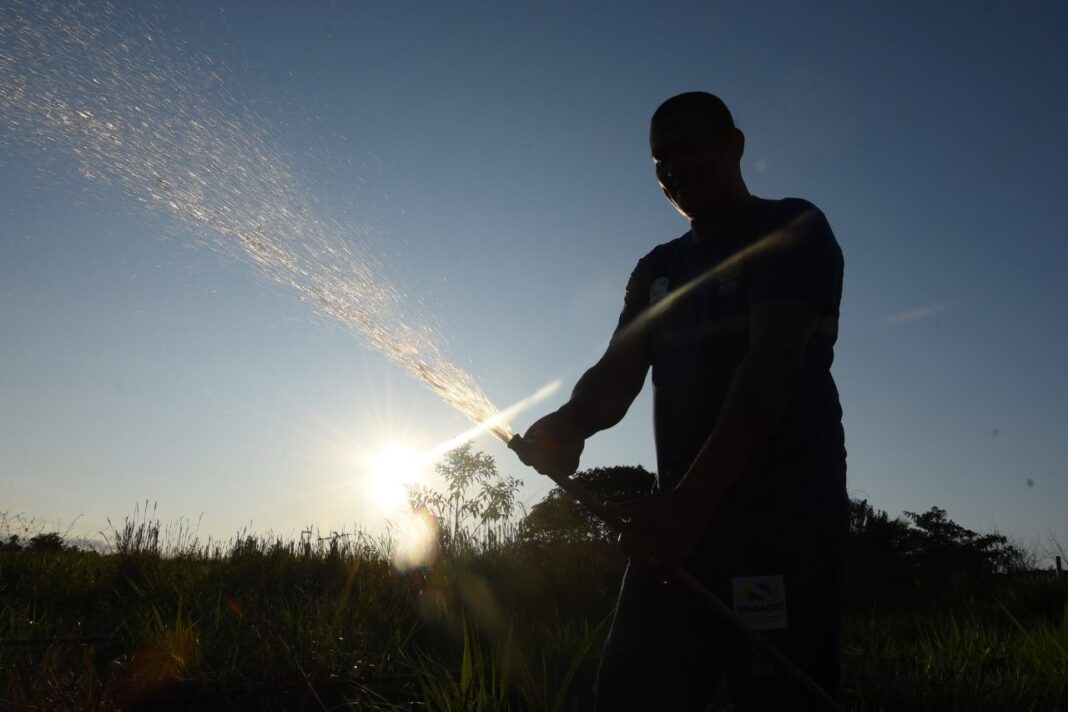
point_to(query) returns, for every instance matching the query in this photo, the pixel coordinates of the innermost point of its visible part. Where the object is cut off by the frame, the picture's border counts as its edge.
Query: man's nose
(667, 171)
(678, 167)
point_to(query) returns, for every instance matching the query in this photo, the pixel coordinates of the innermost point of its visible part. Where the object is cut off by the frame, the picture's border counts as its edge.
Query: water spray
(723, 615)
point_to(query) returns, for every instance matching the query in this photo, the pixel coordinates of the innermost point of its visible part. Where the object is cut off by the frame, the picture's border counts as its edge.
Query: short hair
(700, 105)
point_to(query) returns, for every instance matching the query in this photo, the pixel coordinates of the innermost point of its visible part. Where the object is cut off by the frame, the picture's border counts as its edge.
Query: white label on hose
(760, 601)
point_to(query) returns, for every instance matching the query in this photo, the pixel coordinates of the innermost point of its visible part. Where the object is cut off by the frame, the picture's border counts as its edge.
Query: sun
(390, 472)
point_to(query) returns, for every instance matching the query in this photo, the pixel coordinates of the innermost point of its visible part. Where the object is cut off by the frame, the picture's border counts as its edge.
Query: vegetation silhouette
(478, 502)
(560, 519)
(938, 616)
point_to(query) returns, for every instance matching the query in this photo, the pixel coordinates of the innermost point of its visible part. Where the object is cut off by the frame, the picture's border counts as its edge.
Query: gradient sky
(494, 159)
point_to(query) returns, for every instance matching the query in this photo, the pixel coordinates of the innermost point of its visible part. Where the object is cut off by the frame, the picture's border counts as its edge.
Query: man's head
(697, 152)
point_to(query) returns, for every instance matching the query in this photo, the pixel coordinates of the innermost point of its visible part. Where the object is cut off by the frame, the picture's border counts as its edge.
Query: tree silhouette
(922, 549)
(477, 497)
(940, 545)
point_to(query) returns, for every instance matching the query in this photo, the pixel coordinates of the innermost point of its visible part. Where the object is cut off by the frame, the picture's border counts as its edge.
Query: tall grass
(326, 621)
(1003, 648)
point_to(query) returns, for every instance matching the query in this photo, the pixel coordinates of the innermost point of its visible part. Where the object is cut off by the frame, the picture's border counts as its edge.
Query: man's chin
(703, 211)
(694, 208)
(698, 213)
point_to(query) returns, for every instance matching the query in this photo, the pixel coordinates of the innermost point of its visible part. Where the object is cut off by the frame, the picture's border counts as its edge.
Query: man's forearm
(603, 395)
(757, 400)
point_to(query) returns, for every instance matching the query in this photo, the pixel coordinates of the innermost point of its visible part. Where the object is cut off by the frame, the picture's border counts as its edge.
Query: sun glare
(389, 474)
(393, 469)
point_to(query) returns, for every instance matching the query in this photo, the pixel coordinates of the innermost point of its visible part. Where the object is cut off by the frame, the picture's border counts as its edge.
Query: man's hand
(663, 528)
(556, 444)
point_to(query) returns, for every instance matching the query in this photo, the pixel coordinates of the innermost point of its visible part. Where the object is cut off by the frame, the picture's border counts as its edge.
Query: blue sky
(493, 159)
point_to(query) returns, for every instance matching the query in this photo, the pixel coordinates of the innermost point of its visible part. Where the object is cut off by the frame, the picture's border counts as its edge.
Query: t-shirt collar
(728, 230)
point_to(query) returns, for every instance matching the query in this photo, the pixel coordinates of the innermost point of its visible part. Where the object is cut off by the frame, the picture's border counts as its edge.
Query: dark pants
(665, 652)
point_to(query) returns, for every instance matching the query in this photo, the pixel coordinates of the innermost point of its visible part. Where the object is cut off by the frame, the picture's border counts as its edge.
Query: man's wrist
(577, 420)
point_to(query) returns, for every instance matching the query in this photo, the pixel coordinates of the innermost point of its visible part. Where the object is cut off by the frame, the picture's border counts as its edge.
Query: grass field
(332, 625)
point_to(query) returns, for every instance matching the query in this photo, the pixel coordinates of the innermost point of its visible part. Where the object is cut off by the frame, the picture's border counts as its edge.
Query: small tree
(477, 497)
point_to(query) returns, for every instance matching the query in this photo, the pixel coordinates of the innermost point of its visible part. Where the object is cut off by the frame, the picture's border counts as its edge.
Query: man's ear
(737, 144)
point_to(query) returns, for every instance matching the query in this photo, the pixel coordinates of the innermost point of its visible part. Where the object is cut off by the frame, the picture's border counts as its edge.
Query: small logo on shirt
(658, 290)
(727, 279)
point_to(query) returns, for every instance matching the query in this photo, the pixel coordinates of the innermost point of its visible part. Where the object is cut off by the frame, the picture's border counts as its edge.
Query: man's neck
(723, 218)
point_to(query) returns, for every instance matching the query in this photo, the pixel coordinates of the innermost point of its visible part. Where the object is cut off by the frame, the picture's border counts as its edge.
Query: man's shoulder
(660, 257)
(800, 220)
(787, 209)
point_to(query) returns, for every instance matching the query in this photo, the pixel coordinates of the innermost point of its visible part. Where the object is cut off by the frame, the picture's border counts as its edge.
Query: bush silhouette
(51, 541)
(560, 519)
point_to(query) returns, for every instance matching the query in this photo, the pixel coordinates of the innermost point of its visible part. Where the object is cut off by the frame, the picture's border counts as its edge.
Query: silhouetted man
(738, 319)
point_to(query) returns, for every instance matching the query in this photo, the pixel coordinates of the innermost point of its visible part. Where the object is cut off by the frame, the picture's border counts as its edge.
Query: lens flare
(417, 543)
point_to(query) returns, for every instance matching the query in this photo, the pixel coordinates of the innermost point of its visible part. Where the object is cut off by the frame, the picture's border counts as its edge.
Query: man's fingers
(632, 545)
(636, 542)
(639, 549)
(538, 450)
(545, 443)
(644, 513)
(629, 509)
(549, 454)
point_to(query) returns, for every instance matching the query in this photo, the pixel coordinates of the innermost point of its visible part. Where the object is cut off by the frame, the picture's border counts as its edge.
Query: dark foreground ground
(280, 626)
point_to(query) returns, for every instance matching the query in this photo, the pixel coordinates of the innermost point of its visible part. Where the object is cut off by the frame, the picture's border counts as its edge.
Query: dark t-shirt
(687, 309)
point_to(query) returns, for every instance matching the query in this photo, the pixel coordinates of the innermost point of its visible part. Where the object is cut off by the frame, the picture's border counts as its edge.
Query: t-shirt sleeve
(636, 298)
(802, 261)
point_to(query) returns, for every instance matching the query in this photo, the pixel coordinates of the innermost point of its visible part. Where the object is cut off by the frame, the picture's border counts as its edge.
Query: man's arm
(669, 525)
(758, 397)
(603, 395)
(599, 400)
